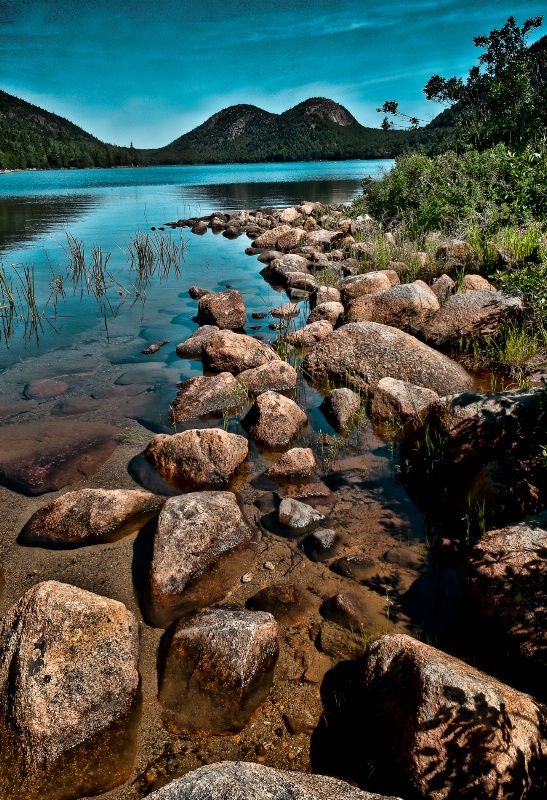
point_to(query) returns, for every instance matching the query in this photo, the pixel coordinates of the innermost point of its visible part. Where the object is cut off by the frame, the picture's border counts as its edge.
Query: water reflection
(236, 196)
(27, 218)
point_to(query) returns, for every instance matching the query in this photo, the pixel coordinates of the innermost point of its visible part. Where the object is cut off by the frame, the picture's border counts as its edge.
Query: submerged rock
(217, 667)
(68, 687)
(201, 548)
(227, 351)
(41, 459)
(197, 458)
(205, 395)
(247, 781)
(225, 309)
(448, 730)
(289, 603)
(90, 516)
(366, 352)
(274, 420)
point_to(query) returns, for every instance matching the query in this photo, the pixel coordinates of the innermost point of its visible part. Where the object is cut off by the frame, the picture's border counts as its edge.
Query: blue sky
(147, 72)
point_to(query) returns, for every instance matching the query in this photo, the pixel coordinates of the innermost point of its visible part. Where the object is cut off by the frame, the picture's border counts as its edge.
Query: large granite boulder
(273, 420)
(243, 780)
(224, 309)
(447, 730)
(407, 306)
(471, 314)
(270, 238)
(90, 516)
(291, 239)
(235, 352)
(216, 668)
(203, 395)
(68, 692)
(197, 458)
(201, 548)
(366, 352)
(507, 576)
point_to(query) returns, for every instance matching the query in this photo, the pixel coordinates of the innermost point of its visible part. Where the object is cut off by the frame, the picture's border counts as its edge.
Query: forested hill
(317, 129)
(32, 137)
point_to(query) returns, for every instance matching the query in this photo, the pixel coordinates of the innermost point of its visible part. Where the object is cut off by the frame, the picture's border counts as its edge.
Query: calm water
(107, 207)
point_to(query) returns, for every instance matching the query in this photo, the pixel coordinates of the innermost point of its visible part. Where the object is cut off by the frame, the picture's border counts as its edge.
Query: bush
(452, 191)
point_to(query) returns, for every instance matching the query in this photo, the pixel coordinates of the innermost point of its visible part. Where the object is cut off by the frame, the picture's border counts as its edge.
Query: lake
(105, 208)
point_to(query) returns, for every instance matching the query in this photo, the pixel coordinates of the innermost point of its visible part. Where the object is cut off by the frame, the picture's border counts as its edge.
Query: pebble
(247, 578)
(269, 565)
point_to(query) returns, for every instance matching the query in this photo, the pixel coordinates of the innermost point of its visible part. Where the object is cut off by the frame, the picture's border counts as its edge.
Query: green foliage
(488, 189)
(503, 97)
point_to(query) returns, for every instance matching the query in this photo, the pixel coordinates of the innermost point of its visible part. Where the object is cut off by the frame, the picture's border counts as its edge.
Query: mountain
(33, 137)
(317, 129)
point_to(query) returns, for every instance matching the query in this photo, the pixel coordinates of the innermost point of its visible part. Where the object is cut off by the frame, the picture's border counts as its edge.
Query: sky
(147, 72)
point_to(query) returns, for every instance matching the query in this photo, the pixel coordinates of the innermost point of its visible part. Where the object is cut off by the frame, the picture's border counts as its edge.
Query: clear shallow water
(107, 207)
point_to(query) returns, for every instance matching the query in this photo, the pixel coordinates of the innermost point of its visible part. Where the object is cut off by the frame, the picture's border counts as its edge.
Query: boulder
(90, 516)
(348, 610)
(296, 515)
(476, 283)
(331, 312)
(340, 407)
(68, 692)
(471, 314)
(366, 352)
(193, 345)
(278, 269)
(274, 420)
(197, 292)
(197, 458)
(367, 283)
(291, 239)
(296, 463)
(310, 334)
(447, 730)
(405, 306)
(248, 781)
(442, 288)
(270, 238)
(324, 294)
(310, 225)
(205, 395)
(227, 351)
(216, 668)
(321, 238)
(402, 400)
(224, 309)
(455, 251)
(507, 576)
(276, 376)
(201, 548)
(289, 215)
(301, 280)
